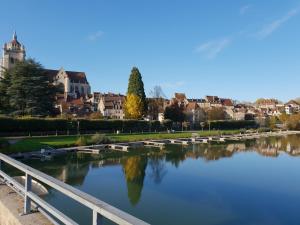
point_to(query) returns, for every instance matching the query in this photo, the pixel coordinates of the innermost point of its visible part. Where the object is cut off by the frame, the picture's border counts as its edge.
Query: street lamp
(78, 126)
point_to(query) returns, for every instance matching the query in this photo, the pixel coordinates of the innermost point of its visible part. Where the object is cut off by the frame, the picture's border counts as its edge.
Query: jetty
(126, 147)
(180, 141)
(154, 144)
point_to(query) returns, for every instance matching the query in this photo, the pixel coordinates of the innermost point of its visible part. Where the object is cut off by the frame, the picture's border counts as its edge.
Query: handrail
(100, 208)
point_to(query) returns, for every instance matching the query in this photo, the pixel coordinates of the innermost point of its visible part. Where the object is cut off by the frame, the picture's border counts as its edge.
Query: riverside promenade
(11, 209)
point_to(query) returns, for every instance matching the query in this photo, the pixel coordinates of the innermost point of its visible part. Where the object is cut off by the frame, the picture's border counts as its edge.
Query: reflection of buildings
(270, 147)
(74, 174)
(275, 145)
(134, 168)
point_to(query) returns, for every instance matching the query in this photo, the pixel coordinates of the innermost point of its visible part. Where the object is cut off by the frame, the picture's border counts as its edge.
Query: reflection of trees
(134, 168)
(210, 152)
(157, 165)
(175, 156)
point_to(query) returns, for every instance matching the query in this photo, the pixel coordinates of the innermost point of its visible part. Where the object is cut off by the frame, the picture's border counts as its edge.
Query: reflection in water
(158, 168)
(176, 155)
(134, 168)
(73, 169)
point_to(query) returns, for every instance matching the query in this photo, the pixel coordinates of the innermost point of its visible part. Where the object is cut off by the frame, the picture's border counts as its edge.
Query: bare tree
(157, 92)
(155, 102)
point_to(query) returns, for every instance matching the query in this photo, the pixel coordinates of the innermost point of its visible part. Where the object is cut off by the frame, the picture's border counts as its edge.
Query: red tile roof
(226, 102)
(212, 99)
(292, 102)
(180, 96)
(192, 105)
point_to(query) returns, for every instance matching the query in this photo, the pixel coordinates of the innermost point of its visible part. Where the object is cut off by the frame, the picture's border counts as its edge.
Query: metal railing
(99, 208)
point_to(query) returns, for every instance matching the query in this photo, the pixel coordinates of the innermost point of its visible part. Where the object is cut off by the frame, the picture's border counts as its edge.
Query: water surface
(254, 182)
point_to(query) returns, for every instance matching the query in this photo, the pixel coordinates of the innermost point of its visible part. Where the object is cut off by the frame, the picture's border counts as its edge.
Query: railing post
(97, 218)
(27, 200)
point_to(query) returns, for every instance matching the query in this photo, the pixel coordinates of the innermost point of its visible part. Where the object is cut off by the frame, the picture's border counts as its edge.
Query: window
(12, 60)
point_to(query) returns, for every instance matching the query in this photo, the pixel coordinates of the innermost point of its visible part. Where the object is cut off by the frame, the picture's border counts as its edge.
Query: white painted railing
(99, 208)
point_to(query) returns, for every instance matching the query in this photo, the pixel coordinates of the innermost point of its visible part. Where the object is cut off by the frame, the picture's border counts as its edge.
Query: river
(252, 182)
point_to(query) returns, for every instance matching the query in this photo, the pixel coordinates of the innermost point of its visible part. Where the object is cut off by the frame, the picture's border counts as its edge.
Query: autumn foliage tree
(133, 107)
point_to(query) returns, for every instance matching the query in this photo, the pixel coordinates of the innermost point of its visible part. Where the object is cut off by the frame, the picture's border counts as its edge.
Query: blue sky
(238, 49)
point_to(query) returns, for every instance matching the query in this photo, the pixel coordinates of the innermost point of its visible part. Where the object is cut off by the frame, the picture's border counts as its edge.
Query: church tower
(13, 52)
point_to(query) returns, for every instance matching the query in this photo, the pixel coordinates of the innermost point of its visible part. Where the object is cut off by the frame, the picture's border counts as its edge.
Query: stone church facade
(73, 85)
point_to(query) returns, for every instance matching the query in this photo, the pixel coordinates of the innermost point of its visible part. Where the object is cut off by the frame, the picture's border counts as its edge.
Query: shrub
(264, 129)
(100, 139)
(81, 141)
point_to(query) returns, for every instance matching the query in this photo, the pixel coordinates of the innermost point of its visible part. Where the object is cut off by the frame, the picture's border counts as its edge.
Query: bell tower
(13, 52)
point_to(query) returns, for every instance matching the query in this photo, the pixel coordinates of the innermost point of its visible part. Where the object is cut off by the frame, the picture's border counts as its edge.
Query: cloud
(211, 49)
(95, 36)
(244, 9)
(173, 85)
(274, 25)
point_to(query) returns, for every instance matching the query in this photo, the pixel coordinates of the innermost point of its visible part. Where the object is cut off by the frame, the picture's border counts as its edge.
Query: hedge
(232, 124)
(16, 125)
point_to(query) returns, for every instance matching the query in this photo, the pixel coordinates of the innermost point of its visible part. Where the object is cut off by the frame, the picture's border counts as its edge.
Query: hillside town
(76, 99)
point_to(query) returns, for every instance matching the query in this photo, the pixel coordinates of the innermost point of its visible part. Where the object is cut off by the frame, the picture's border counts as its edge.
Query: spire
(15, 36)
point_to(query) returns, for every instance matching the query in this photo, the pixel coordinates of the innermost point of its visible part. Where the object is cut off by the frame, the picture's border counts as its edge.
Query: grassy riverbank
(36, 143)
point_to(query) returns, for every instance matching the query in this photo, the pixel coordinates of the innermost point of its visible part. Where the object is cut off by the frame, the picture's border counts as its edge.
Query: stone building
(73, 84)
(111, 105)
(13, 52)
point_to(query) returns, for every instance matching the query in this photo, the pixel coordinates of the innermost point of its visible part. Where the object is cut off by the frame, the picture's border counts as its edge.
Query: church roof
(15, 42)
(74, 76)
(51, 74)
(77, 77)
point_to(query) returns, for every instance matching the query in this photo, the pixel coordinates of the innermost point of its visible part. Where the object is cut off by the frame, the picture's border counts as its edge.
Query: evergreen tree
(136, 87)
(4, 98)
(30, 91)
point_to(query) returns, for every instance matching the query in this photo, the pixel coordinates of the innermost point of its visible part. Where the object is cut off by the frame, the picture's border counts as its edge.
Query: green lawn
(36, 143)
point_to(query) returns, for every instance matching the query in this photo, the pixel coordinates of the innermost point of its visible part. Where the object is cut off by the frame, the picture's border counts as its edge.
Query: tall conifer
(136, 88)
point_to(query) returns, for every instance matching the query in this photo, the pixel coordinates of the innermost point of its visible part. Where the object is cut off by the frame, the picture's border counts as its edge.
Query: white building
(111, 105)
(292, 107)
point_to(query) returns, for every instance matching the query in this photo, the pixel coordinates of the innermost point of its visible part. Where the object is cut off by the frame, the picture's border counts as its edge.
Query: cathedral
(74, 84)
